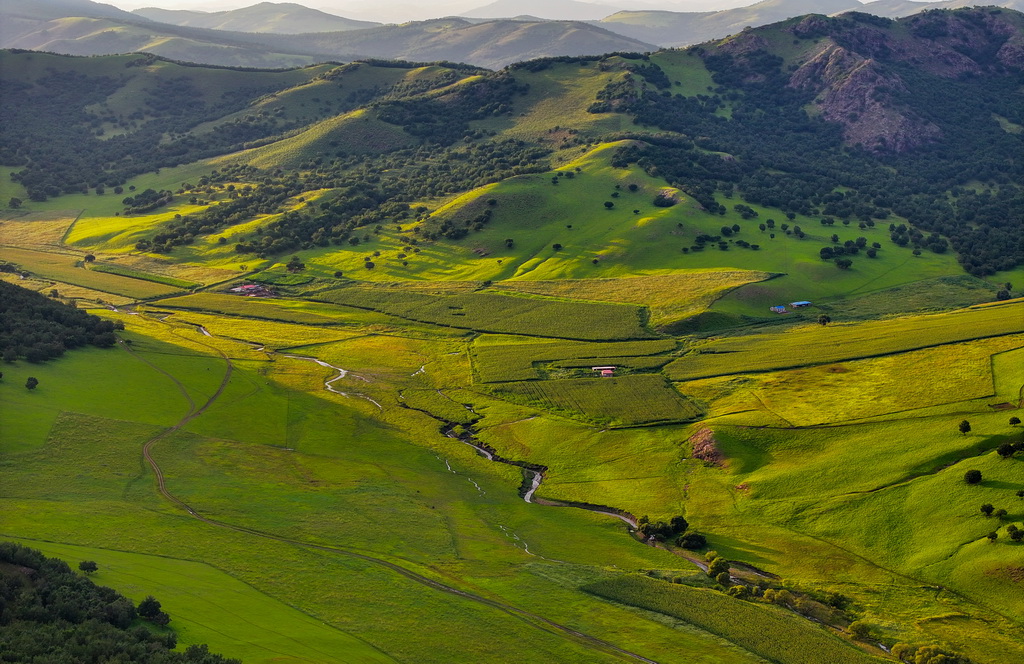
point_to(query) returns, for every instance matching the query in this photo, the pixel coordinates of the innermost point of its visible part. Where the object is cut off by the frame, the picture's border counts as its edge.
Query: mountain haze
(282, 18)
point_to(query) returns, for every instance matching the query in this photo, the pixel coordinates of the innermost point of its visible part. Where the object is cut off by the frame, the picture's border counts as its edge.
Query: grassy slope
(382, 494)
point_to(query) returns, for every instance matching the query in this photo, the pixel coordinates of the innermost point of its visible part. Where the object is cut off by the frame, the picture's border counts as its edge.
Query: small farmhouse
(606, 372)
(801, 303)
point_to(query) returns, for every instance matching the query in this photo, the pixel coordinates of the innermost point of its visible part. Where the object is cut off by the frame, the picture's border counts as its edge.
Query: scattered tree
(609, 205)
(972, 476)
(992, 536)
(556, 247)
(1014, 421)
(31, 383)
(88, 566)
(1006, 450)
(987, 509)
(692, 541)
(14, 203)
(860, 630)
(965, 427)
(824, 319)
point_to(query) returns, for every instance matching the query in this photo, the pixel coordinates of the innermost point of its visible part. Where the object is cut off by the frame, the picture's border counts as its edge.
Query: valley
(639, 357)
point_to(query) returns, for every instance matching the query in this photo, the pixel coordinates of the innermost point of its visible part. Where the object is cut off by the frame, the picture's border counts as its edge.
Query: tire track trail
(529, 618)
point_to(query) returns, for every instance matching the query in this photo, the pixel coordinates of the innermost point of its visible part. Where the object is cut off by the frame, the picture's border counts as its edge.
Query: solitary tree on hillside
(824, 319)
(88, 566)
(31, 382)
(609, 205)
(1014, 421)
(972, 476)
(89, 258)
(987, 509)
(992, 536)
(965, 427)
(14, 203)
(1006, 450)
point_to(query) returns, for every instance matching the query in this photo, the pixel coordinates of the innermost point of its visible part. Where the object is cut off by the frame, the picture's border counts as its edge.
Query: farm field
(144, 276)
(755, 627)
(497, 362)
(816, 344)
(624, 400)
(63, 268)
(493, 312)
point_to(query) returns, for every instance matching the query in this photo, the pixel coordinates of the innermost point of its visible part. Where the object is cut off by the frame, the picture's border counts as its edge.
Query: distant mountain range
(284, 18)
(495, 35)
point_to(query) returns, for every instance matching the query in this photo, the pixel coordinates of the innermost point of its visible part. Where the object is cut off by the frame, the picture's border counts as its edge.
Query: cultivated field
(622, 401)
(68, 268)
(505, 314)
(769, 632)
(815, 344)
(497, 362)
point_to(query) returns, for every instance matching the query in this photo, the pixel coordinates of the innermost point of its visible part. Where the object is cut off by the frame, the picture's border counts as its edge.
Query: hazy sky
(396, 11)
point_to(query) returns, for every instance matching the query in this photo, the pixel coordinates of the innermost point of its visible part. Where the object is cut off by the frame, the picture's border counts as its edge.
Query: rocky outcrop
(857, 93)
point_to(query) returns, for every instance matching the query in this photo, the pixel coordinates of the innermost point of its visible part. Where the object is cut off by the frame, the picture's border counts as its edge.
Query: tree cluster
(37, 328)
(48, 613)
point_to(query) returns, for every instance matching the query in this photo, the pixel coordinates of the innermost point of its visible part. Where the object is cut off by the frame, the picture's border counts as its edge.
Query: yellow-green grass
(208, 606)
(281, 309)
(36, 230)
(437, 404)
(119, 234)
(493, 312)
(132, 273)
(865, 388)
(495, 363)
(68, 268)
(70, 384)
(936, 294)
(815, 344)
(768, 631)
(620, 401)
(670, 297)
(272, 334)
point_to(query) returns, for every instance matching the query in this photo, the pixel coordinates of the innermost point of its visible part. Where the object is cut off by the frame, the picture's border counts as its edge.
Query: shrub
(972, 476)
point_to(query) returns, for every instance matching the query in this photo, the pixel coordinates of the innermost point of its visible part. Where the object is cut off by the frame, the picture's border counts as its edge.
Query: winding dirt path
(525, 616)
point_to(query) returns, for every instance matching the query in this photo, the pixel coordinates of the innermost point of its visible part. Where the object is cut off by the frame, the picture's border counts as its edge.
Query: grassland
(621, 401)
(494, 312)
(813, 344)
(208, 606)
